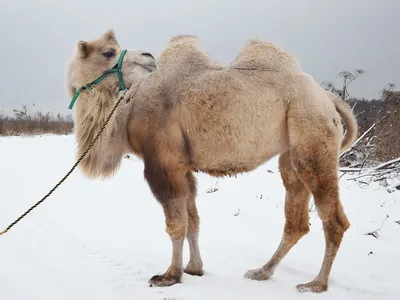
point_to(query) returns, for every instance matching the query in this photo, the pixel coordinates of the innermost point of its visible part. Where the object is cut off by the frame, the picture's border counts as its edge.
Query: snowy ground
(105, 239)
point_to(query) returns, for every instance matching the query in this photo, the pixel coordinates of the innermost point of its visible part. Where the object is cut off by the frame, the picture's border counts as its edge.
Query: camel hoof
(195, 268)
(194, 272)
(257, 274)
(163, 280)
(313, 286)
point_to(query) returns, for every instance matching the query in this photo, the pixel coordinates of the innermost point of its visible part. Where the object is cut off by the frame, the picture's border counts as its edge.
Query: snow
(105, 239)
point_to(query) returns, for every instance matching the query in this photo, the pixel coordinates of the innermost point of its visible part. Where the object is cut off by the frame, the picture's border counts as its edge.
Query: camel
(191, 114)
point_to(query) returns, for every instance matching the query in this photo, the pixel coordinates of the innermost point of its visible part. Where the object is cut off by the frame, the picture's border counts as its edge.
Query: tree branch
(358, 141)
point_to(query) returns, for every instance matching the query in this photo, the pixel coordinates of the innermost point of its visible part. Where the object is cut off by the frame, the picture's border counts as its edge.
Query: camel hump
(184, 50)
(257, 54)
(184, 39)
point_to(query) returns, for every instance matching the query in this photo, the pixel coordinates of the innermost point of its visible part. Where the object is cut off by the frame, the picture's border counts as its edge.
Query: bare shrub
(26, 123)
(382, 143)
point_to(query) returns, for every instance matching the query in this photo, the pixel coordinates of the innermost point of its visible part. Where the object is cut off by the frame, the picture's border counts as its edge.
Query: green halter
(116, 69)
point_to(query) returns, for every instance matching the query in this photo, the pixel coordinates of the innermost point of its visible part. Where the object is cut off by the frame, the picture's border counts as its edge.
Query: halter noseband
(116, 69)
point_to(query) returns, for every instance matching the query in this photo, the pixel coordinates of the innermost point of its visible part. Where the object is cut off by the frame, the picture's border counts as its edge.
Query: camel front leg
(176, 220)
(195, 265)
(171, 188)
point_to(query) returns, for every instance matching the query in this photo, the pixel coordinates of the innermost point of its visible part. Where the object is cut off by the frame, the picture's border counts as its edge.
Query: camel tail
(349, 120)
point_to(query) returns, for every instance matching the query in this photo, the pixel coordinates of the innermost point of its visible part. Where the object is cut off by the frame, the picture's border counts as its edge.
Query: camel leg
(317, 166)
(171, 188)
(195, 265)
(296, 213)
(176, 223)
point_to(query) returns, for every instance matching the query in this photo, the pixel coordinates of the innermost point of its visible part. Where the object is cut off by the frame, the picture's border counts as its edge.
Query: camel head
(98, 71)
(95, 58)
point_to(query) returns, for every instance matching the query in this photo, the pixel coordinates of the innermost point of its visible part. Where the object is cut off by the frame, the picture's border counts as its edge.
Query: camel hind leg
(316, 164)
(296, 213)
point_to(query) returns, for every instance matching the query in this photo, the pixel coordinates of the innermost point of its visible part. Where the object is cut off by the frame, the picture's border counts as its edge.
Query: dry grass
(26, 123)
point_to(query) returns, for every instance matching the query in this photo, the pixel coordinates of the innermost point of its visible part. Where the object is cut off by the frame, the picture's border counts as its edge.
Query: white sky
(327, 36)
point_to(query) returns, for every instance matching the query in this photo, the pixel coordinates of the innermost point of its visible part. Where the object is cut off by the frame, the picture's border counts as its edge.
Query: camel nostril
(147, 54)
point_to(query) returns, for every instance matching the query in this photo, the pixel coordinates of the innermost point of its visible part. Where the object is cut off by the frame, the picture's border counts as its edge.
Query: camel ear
(110, 36)
(83, 48)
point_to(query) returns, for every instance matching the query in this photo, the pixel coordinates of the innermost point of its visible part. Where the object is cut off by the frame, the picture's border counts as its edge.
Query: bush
(383, 142)
(26, 123)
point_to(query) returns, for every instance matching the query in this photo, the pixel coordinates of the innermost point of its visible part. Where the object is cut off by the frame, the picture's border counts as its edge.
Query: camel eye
(109, 54)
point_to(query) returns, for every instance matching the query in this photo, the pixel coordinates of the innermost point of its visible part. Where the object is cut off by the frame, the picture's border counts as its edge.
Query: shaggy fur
(92, 109)
(193, 114)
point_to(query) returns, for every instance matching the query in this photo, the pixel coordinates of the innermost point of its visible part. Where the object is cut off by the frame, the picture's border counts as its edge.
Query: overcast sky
(38, 38)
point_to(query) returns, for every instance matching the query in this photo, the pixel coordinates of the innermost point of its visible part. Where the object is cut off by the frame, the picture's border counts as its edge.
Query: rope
(72, 169)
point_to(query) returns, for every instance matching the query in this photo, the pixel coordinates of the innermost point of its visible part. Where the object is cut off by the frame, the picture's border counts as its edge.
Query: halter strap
(117, 69)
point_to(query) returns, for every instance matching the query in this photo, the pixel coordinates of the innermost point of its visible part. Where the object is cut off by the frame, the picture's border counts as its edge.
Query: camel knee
(176, 218)
(176, 228)
(332, 215)
(335, 222)
(334, 231)
(293, 232)
(301, 228)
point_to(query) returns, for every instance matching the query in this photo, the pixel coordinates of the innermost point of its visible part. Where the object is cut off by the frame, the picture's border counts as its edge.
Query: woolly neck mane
(103, 159)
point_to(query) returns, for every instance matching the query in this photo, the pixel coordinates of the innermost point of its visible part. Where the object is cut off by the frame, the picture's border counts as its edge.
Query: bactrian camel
(184, 113)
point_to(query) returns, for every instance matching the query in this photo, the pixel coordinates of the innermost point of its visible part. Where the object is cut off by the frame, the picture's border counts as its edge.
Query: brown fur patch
(163, 184)
(188, 147)
(229, 171)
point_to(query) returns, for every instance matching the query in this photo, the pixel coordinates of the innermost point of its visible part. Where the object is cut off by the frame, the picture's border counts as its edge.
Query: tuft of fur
(91, 112)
